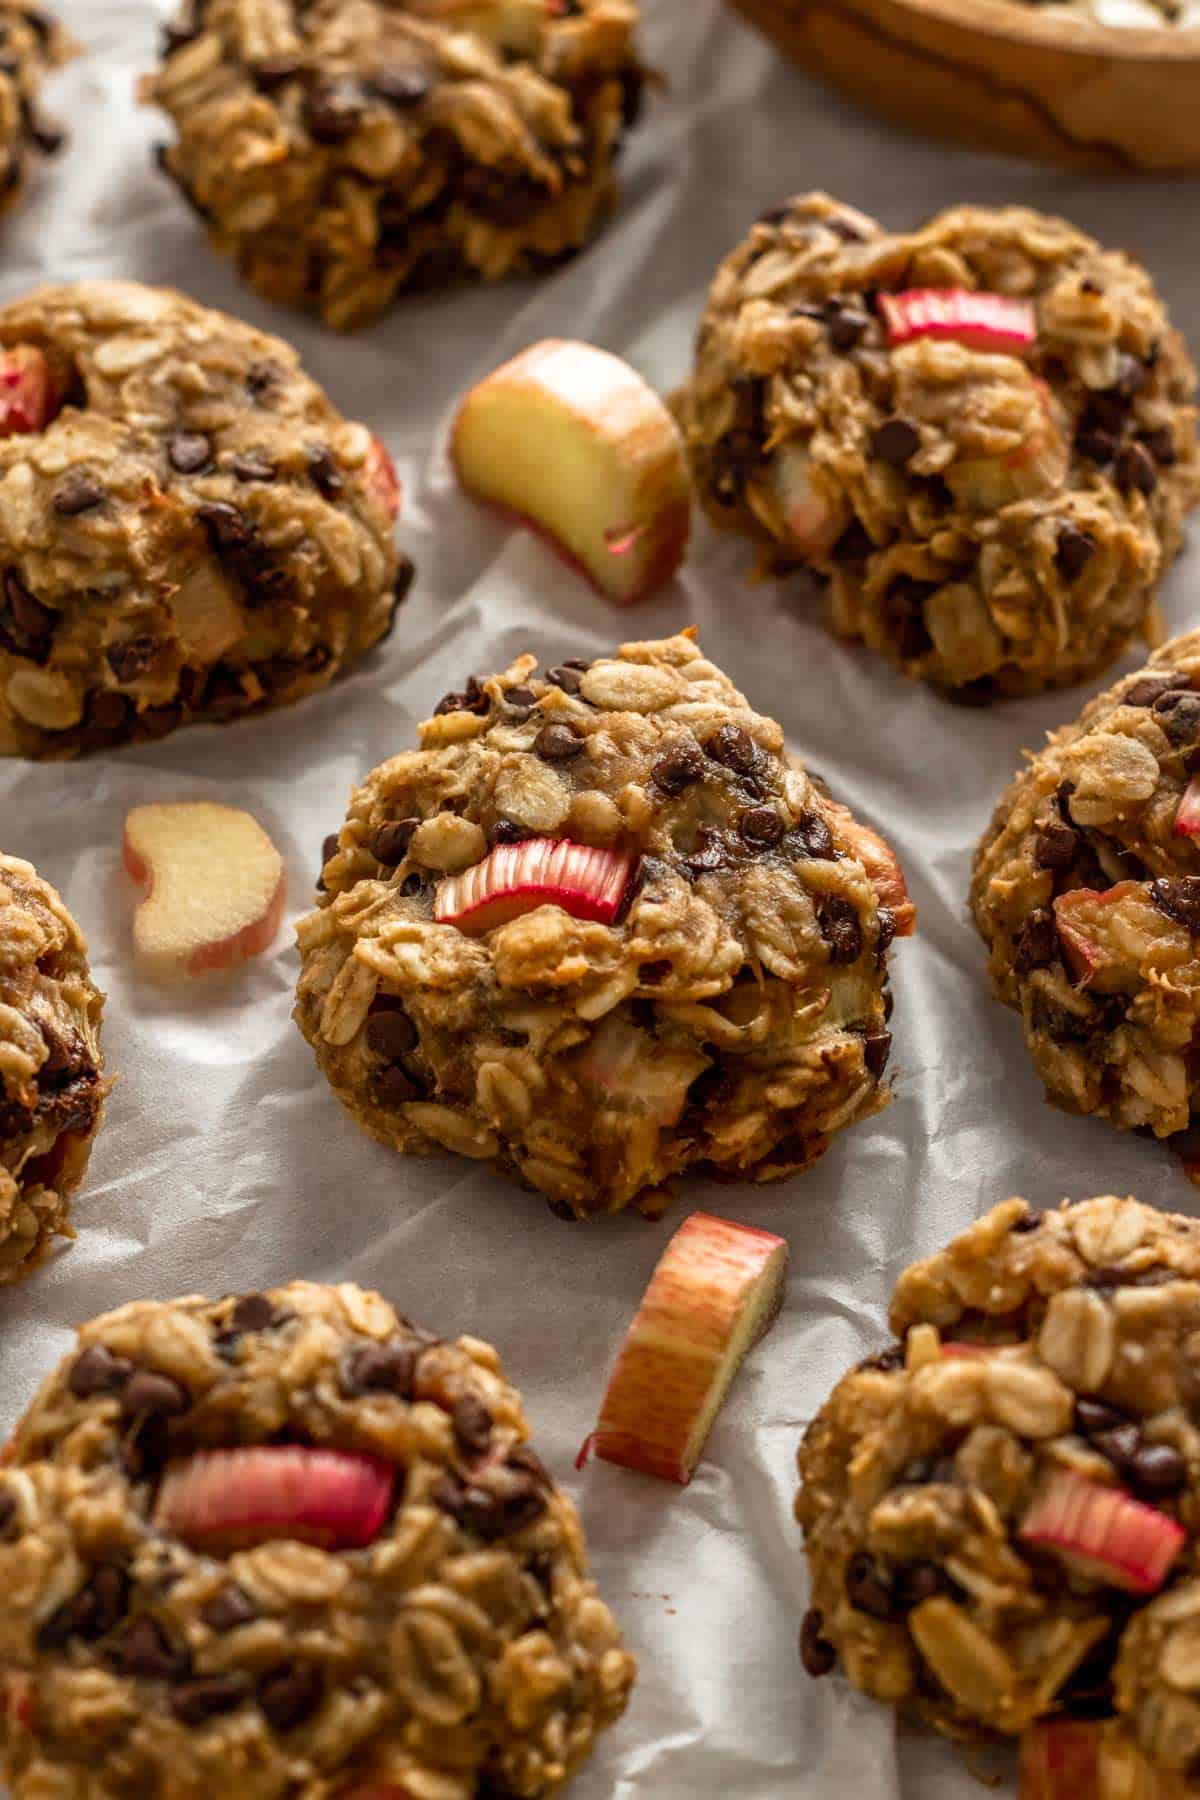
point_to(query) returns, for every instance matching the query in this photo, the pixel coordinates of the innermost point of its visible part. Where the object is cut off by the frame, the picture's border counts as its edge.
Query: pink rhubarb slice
(1187, 818)
(233, 1499)
(518, 878)
(716, 1291)
(979, 320)
(1084, 1759)
(27, 397)
(382, 479)
(1103, 1534)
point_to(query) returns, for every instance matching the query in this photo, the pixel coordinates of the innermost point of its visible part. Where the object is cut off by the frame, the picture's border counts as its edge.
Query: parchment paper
(226, 1163)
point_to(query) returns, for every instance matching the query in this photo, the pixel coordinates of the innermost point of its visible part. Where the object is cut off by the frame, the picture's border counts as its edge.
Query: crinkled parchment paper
(226, 1164)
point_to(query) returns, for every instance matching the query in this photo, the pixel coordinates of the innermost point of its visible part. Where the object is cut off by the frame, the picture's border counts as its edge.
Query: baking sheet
(226, 1164)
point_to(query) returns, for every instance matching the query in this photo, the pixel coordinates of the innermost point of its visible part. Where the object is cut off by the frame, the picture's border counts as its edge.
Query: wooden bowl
(1006, 77)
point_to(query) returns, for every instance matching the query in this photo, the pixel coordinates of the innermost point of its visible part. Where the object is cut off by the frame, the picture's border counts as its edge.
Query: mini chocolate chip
(1149, 688)
(400, 84)
(227, 528)
(817, 1654)
(523, 698)
(1093, 1417)
(334, 109)
(394, 1088)
(390, 1034)
(189, 452)
(840, 928)
(144, 1649)
(678, 768)
(35, 623)
(1161, 445)
(1098, 446)
(530, 1463)
(895, 441)
(507, 831)
(97, 1371)
(389, 843)
(491, 1515)
(323, 472)
(1158, 1469)
(253, 1312)
(735, 749)
(1120, 1445)
(1038, 943)
(761, 825)
(558, 741)
(845, 326)
(809, 836)
(917, 1582)
(1030, 1221)
(1179, 900)
(290, 1694)
(380, 1368)
(107, 711)
(564, 677)
(250, 466)
(877, 1047)
(884, 1362)
(855, 544)
(473, 699)
(229, 1607)
(1056, 846)
(149, 1392)
(197, 1701)
(885, 920)
(472, 1424)
(1178, 712)
(710, 853)
(582, 663)
(78, 494)
(1135, 469)
(869, 1587)
(1073, 550)
(131, 659)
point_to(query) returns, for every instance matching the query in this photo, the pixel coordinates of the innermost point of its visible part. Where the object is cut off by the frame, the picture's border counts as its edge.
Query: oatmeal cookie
(52, 1084)
(290, 1544)
(1086, 893)
(190, 529)
(342, 152)
(599, 928)
(991, 1506)
(31, 44)
(980, 434)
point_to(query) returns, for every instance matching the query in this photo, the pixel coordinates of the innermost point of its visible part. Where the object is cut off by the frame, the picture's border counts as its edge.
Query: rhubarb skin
(1075, 1518)
(1079, 1759)
(213, 887)
(1187, 818)
(882, 866)
(715, 1293)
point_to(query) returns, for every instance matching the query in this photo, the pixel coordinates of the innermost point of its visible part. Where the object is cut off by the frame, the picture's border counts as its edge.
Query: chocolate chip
(252, 467)
(253, 1312)
(1161, 445)
(323, 472)
(144, 1649)
(895, 441)
(489, 1513)
(1073, 551)
(1098, 446)
(380, 1368)
(1037, 945)
(472, 1425)
(262, 376)
(917, 1582)
(97, 1371)
(197, 1701)
(775, 215)
(1119, 1445)
(1178, 712)
(1158, 1469)
(95, 1610)
(904, 614)
(148, 1392)
(1179, 899)
(394, 1088)
(390, 1034)
(678, 768)
(564, 677)
(131, 659)
(507, 831)
(472, 699)
(869, 1587)
(735, 749)
(334, 109)
(1030, 1221)
(558, 741)
(1093, 1417)
(885, 1362)
(30, 626)
(877, 1047)
(400, 84)
(290, 1694)
(817, 1654)
(530, 1463)
(1150, 688)
(840, 928)
(78, 494)
(229, 1607)
(1136, 470)
(189, 452)
(710, 852)
(227, 528)
(855, 544)
(1056, 846)
(845, 325)
(521, 697)
(809, 836)
(389, 843)
(272, 72)
(761, 826)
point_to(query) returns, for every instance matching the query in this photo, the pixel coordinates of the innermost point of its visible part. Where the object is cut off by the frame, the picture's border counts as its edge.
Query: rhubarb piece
(517, 878)
(628, 1070)
(382, 479)
(1103, 1534)
(1038, 466)
(27, 396)
(1080, 918)
(214, 887)
(882, 866)
(572, 439)
(1187, 817)
(230, 1499)
(998, 323)
(715, 1293)
(1084, 1759)
(208, 617)
(812, 519)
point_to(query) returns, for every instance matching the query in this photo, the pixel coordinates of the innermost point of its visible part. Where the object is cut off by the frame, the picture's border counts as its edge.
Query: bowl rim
(1045, 29)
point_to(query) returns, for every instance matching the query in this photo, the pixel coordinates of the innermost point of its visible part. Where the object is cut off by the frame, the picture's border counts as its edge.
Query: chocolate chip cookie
(1001, 1509)
(599, 928)
(32, 43)
(291, 1543)
(52, 1083)
(343, 153)
(188, 528)
(1085, 891)
(980, 436)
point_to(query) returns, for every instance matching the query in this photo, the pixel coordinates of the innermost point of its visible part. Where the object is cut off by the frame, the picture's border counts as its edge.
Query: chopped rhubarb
(382, 479)
(813, 521)
(1103, 1534)
(883, 869)
(1084, 1759)
(27, 396)
(1187, 819)
(518, 878)
(231, 1499)
(716, 1291)
(1077, 915)
(1037, 466)
(627, 1069)
(978, 320)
